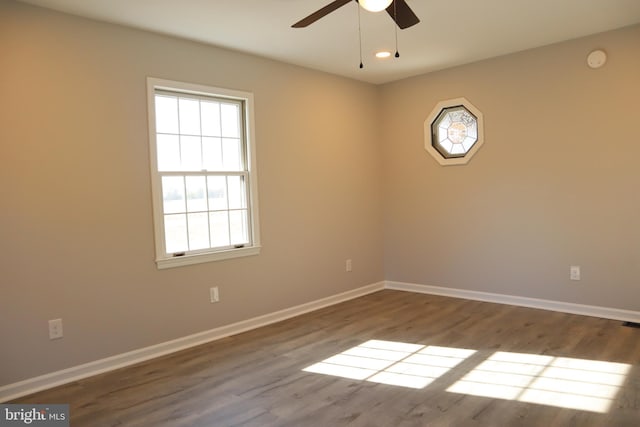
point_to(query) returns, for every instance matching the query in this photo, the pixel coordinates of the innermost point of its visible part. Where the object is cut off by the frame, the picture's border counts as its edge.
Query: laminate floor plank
(258, 378)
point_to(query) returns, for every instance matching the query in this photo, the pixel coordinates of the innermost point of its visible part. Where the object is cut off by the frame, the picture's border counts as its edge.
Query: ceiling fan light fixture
(375, 5)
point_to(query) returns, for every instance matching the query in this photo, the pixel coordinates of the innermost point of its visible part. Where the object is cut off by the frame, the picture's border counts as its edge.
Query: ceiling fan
(399, 11)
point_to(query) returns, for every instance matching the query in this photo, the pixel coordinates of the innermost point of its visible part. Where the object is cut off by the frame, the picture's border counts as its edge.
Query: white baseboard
(563, 307)
(32, 385)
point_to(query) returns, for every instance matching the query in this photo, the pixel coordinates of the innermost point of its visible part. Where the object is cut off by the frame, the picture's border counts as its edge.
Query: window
(203, 173)
(453, 131)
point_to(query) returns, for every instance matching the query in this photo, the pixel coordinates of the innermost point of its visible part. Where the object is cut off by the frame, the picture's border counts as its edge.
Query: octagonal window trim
(453, 131)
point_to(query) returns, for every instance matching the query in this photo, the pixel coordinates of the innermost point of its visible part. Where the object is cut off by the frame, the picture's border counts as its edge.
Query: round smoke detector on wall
(597, 58)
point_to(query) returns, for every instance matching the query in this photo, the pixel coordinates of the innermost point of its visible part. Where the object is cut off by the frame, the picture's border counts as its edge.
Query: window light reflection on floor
(587, 385)
(394, 363)
(581, 384)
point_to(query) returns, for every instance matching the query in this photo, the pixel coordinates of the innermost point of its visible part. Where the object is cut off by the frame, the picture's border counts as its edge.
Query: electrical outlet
(55, 329)
(574, 272)
(214, 294)
(347, 265)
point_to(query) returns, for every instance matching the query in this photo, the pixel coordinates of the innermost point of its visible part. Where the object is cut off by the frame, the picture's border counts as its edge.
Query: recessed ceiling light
(383, 54)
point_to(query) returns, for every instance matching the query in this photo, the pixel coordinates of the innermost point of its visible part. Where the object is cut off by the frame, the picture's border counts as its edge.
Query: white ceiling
(451, 32)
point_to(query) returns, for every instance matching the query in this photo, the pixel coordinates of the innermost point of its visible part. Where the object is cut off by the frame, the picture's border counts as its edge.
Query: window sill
(208, 257)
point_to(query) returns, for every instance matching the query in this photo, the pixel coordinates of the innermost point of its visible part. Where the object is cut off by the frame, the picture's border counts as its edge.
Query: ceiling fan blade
(320, 13)
(400, 12)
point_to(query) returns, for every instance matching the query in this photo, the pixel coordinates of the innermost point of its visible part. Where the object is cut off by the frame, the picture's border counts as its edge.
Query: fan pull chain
(360, 37)
(395, 26)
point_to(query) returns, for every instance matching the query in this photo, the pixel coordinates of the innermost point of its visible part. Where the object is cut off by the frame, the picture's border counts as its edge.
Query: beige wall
(555, 184)
(76, 235)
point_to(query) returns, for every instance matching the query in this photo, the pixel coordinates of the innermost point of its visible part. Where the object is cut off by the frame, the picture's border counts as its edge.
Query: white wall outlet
(214, 294)
(55, 329)
(348, 266)
(574, 272)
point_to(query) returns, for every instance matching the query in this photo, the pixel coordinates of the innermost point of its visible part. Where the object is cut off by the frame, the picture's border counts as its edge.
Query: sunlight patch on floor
(587, 385)
(393, 363)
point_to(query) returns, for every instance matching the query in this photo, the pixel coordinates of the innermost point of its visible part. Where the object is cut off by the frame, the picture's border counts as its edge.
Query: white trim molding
(245, 170)
(563, 307)
(75, 373)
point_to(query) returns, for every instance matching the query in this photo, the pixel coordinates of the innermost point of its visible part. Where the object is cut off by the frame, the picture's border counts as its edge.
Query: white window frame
(164, 260)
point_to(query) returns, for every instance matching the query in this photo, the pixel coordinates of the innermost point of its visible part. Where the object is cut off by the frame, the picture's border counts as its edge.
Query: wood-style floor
(257, 378)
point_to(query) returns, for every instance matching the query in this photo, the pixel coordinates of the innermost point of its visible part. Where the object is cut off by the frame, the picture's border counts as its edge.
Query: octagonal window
(453, 131)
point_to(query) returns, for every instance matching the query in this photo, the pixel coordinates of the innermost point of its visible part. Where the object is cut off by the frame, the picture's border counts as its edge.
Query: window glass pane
(230, 115)
(457, 132)
(191, 153)
(198, 230)
(189, 116)
(210, 113)
(445, 122)
(231, 154)
(217, 188)
(237, 198)
(443, 135)
(196, 194)
(175, 233)
(219, 222)
(166, 114)
(457, 149)
(447, 145)
(238, 227)
(468, 143)
(467, 118)
(173, 194)
(212, 154)
(168, 147)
